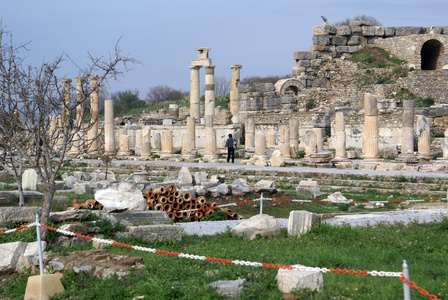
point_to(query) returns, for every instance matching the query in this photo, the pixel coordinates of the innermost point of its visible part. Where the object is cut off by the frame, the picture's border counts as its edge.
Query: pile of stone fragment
(182, 206)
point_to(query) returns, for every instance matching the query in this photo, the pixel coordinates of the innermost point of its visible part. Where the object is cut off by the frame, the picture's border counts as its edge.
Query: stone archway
(288, 86)
(430, 54)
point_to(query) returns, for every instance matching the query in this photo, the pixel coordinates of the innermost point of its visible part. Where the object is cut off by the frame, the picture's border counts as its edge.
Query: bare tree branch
(37, 111)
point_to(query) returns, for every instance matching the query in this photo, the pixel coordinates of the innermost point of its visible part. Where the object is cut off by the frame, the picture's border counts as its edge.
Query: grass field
(381, 248)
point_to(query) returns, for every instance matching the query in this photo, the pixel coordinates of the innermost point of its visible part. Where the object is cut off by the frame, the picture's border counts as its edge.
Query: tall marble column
(138, 142)
(424, 138)
(109, 128)
(124, 144)
(371, 148)
(294, 135)
(250, 132)
(93, 132)
(260, 145)
(210, 144)
(271, 139)
(340, 142)
(209, 90)
(54, 131)
(191, 128)
(146, 142)
(79, 102)
(76, 146)
(167, 144)
(319, 138)
(66, 96)
(156, 138)
(285, 147)
(53, 120)
(60, 132)
(187, 146)
(234, 102)
(445, 146)
(209, 121)
(195, 93)
(66, 116)
(310, 142)
(407, 137)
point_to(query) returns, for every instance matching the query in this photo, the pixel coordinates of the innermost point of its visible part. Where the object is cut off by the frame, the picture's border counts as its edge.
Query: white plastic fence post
(406, 287)
(261, 204)
(39, 246)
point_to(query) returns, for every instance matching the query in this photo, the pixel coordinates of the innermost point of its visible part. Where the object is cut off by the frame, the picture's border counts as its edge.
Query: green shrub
(375, 57)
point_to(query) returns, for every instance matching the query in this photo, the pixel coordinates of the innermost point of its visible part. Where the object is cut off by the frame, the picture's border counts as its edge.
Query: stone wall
(336, 41)
(424, 84)
(408, 46)
(262, 97)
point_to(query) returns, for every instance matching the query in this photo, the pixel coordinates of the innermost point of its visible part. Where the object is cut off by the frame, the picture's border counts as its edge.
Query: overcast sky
(260, 35)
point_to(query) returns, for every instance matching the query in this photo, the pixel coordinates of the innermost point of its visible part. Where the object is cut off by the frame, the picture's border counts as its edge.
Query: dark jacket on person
(230, 143)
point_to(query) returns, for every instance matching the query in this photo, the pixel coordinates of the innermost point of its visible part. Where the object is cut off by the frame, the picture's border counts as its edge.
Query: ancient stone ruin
(321, 107)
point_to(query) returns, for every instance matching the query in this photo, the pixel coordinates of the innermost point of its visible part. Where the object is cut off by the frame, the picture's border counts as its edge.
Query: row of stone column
(57, 122)
(371, 136)
(196, 65)
(165, 138)
(288, 134)
(313, 138)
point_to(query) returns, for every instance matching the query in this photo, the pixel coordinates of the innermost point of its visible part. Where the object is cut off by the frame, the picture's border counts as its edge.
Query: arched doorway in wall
(289, 86)
(430, 54)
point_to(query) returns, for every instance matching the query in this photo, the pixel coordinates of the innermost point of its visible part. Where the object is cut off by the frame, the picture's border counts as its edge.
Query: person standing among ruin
(230, 145)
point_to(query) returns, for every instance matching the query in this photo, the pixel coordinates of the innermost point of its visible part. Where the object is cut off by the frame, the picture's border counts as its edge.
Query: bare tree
(222, 86)
(161, 93)
(36, 111)
(373, 21)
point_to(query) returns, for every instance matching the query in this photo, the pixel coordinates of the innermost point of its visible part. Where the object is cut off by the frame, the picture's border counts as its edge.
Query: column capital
(94, 77)
(195, 67)
(66, 80)
(236, 67)
(79, 80)
(203, 51)
(210, 67)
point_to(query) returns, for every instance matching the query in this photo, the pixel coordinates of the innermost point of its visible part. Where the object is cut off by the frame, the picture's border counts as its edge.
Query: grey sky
(261, 35)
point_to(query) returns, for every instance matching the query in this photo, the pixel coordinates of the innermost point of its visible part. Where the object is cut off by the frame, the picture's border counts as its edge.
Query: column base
(166, 155)
(124, 153)
(372, 159)
(265, 157)
(42, 287)
(73, 153)
(409, 159)
(210, 157)
(424, 157)
(110, 153)
(340, 159)
(187, 156)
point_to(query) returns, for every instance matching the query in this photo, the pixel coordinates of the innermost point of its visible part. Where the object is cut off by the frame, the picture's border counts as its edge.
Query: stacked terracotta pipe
(89, 204)
(173, 202)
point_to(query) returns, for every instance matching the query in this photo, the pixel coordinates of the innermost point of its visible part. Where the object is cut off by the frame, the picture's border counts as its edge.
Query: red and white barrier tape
(231, 261)
(235, 262)
(328, 201)
(19, 228)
